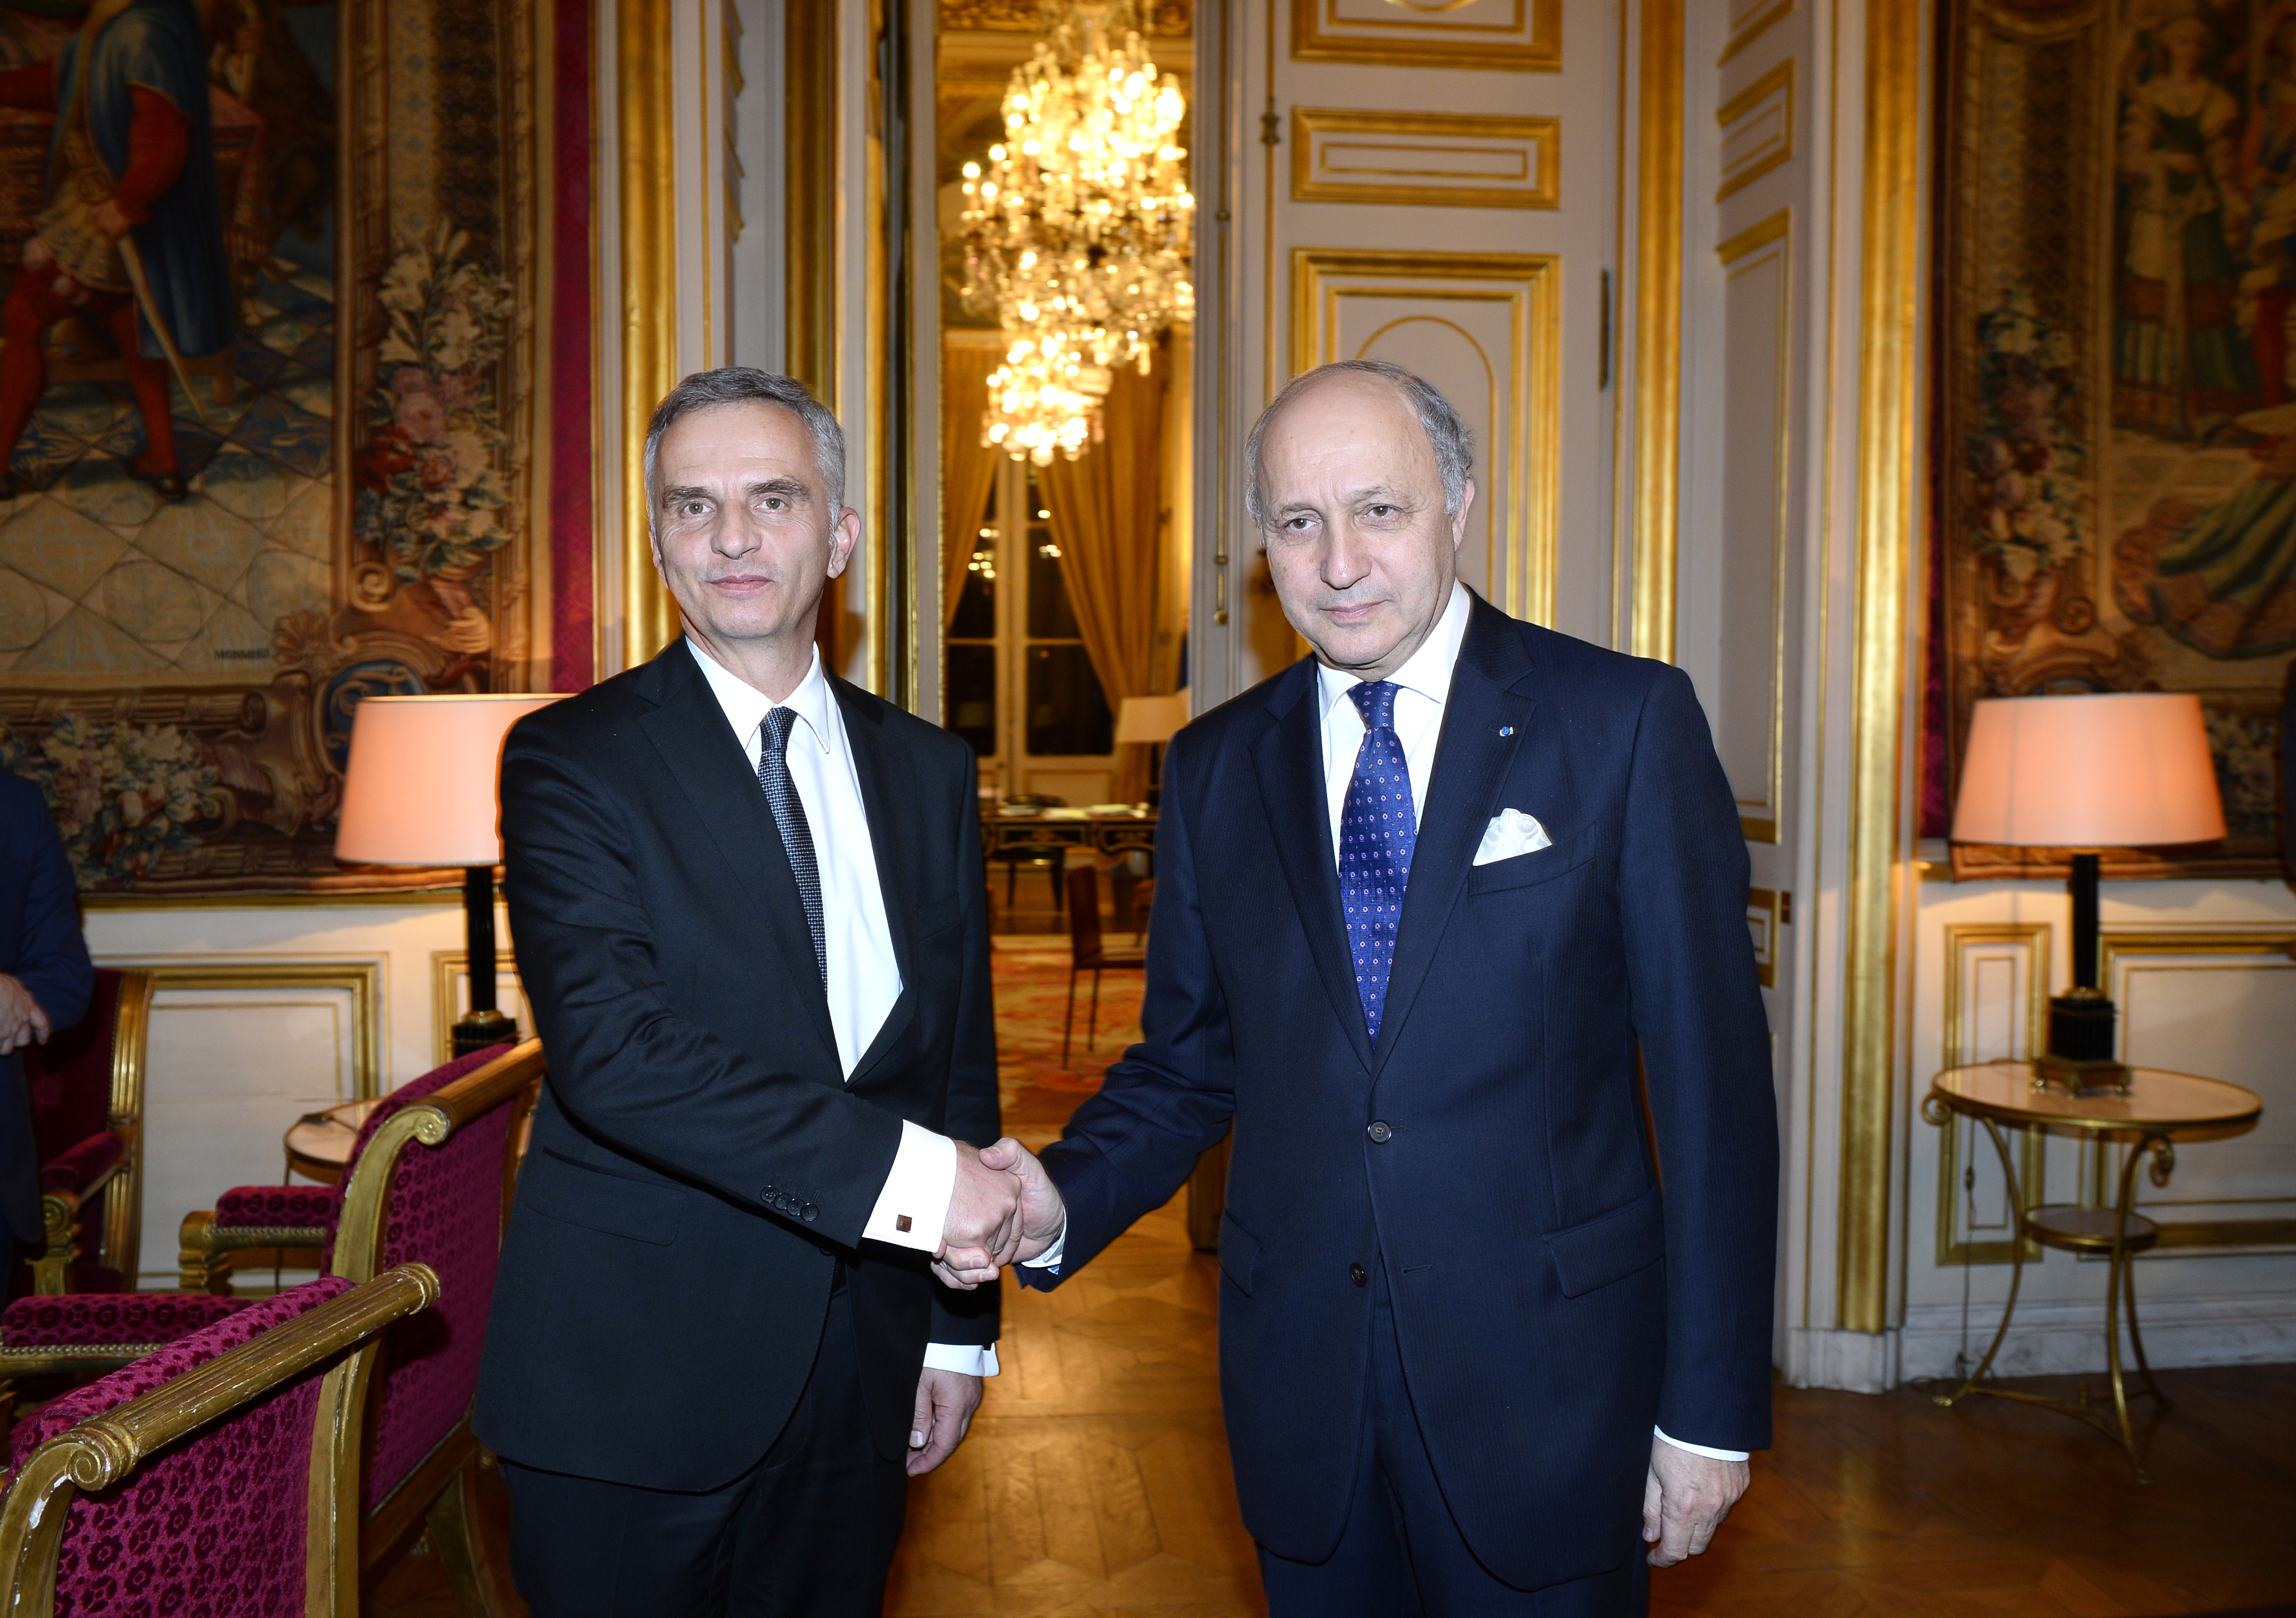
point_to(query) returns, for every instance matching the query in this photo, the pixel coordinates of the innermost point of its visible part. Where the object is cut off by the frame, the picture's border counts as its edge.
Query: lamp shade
(1151, 718)
(2125, 769)
(421, 787)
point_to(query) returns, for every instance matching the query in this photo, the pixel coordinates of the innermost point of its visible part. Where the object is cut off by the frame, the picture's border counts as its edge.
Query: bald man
(1428, 903)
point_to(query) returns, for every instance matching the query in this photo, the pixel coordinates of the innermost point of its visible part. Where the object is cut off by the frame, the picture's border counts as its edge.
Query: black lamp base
(479, 1029)
(2080, 1045)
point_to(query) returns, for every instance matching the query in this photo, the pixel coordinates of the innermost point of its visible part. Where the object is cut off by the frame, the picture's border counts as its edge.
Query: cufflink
(903, 1223)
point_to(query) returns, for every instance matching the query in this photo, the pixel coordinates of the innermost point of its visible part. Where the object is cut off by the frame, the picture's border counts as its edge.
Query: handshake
(1004, 1208)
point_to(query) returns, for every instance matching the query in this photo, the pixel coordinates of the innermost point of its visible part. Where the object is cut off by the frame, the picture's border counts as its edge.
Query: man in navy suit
(46, 980)
(1436, 910)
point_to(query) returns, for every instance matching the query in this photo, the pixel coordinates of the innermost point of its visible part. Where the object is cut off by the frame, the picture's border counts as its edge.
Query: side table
(2155, 1108)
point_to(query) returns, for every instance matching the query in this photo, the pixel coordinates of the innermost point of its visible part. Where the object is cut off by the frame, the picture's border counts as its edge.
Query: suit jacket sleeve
(1697, 1010)
(51, 954)
(626, 1065)
(1131, 1146)
(975, 1114)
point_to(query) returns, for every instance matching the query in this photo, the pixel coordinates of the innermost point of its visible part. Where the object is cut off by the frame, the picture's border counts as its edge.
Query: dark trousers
(807, 1533)
(1401, 1554)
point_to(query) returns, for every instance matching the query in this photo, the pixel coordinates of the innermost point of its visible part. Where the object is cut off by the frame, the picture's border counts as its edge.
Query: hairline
(730, 385)
(1421, 398)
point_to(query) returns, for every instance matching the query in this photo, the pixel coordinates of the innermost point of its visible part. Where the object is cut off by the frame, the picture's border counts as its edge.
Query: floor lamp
(1152, 720)
(420, 792)
(2125, 769)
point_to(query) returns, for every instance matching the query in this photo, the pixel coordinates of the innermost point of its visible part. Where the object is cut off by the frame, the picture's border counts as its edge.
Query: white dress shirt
(865, 978)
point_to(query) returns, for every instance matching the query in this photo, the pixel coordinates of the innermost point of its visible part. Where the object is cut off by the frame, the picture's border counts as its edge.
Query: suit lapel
(896, 836)
(688, 728)
(1289, 757)
(1472, 757)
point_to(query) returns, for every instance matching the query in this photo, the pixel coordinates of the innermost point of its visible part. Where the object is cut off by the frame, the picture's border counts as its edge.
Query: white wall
(264, 1015)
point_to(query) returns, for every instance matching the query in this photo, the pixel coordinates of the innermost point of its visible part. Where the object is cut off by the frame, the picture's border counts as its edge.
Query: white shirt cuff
(1716, 1455)
(912, 1209)
(965, 1358)
(1050, 1258)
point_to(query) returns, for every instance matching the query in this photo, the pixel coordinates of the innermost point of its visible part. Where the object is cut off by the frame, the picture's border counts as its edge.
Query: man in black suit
(749, 912)
(46, 980)
(1426, 904)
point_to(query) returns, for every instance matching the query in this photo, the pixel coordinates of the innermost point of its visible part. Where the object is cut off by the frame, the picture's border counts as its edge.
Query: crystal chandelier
(1078, 235)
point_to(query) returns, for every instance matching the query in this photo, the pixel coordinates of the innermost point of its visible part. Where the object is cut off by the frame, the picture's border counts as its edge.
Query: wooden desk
(2155, 1108)
(1052, 833)
(319, 1144)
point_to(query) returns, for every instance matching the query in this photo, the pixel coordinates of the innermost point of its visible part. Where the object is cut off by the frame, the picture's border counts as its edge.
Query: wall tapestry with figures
(2117, 466)
(275, 392)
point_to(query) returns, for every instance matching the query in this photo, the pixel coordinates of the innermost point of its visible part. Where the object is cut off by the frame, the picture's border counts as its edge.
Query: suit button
(1358, 1275)
(1380, 1133)
(811, 1213)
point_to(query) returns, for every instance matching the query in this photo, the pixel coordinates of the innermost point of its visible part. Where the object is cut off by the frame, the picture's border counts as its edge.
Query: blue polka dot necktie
(789, 815)
(1377, 829)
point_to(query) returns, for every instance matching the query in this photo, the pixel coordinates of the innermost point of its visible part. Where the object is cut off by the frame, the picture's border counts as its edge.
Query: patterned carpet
(1032, 985)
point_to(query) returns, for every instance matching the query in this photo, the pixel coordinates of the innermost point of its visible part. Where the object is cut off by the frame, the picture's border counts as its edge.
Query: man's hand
(1043, 1216)
(984, 1220)
(21, 1021)
(945, 1402)
(108, 218)
(1685, 1500)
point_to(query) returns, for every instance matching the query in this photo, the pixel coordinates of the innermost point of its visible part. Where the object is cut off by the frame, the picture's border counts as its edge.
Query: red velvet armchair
(429, 1183)
(86, 1090)
(260, 1219)
(218, 1474)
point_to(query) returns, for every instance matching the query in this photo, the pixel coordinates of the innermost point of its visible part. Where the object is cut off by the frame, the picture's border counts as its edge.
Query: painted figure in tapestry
(131, 236)
(2179, 360)
(2218, 575)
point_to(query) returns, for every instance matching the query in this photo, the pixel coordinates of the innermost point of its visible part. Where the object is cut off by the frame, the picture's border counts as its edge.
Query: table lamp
(420, 792)
(1153, 720)
(2127, 769)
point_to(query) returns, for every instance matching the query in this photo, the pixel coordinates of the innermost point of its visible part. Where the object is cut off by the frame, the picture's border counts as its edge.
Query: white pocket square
(1512, 832)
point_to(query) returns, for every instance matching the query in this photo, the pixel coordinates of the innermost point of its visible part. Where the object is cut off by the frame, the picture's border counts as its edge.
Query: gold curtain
(968, 467)
(1105, 506)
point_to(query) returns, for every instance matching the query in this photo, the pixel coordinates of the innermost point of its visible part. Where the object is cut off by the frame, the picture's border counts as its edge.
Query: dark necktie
(1377, 830)
(797, 837)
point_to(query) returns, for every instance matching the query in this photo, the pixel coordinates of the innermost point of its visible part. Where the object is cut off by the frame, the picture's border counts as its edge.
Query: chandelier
(1077, 235)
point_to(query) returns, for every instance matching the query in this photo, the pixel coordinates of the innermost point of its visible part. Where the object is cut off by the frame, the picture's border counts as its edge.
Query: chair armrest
(82, 1168)
(109, 1319)
(272, 1206)
(203, 1242)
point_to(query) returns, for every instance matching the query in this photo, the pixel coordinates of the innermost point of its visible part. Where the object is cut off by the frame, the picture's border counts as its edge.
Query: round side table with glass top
(2154, 1108)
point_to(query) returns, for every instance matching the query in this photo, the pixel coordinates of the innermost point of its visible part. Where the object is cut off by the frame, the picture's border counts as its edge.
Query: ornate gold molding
(446, 967)
(1534, 143)
(646, 148)
(1747, 248)
(1777, 87)
(1529, 39)
(2272, 949)
(809, 198)
(1657, 478)
(1888, 361)
(361, 980)
(2033, 938)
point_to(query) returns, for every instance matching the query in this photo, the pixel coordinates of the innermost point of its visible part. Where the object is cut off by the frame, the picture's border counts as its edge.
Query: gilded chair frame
(121, 1241)
(439, 1494)
(106, 1448)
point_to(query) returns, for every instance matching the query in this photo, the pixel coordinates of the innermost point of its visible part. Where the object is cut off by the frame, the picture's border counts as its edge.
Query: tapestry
(2117, 454)
(273, 307)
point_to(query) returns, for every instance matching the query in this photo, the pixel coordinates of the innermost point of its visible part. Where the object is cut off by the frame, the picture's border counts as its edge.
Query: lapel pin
(1507, 730)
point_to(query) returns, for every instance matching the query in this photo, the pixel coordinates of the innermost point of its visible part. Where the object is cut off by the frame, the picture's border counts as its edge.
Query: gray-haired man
(750, 919)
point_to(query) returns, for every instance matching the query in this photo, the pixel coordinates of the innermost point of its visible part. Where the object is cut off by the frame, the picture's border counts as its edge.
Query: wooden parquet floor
(1095, 1482)
(1095, 1478)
